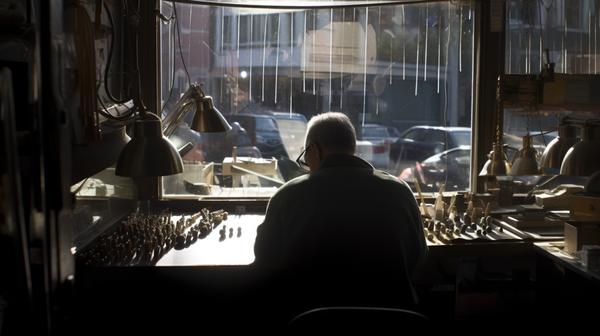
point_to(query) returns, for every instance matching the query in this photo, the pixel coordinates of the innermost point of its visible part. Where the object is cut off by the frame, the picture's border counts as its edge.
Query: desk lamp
(525, 162)
(207, 118)
(583, 159)
(557, 149)
(497, 165)
(149, 153)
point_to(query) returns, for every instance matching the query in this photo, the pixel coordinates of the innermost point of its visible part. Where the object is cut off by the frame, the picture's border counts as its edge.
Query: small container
(590, 256)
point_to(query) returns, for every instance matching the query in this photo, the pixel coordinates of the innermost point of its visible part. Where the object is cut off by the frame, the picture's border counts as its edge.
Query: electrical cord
(129, 113)
(109, 60)
(172, 65)
(84, 41)
(177, 30)
(180, 49)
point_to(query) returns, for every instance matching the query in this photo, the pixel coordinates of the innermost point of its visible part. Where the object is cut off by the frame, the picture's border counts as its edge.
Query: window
(563, 35)
(463, 138)
(391, 67)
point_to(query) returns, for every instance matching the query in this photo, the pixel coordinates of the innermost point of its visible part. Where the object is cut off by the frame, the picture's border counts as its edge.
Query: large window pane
(403, 74)
(557, 37)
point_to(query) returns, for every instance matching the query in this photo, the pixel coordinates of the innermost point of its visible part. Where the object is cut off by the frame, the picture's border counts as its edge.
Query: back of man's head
(334, 131)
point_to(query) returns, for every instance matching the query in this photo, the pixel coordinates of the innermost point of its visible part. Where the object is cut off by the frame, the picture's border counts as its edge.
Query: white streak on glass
(238, 33)
(460, 33)
(291, 58)
(426, 40)
(264, 57)
(580, 49)
(342, 58)
(528, 64)
(304, 55)
(509, 41)
(565, 49)
(277, 55)
(313, 49)
(330, 53)
(189, 61)
(541, 40)
(314, 46)
(439, 50)
(379, 22)
(418, 44)
(221, 55)
(250, 41)
(365, 67)
(392, 38)
(403, 45)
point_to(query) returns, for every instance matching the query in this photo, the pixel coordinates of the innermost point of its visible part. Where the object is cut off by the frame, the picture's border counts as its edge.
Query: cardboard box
(584, 208)
(578, 234)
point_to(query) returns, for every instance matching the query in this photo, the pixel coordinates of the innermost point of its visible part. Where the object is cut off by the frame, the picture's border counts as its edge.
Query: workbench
(214, 280)
(565, 290)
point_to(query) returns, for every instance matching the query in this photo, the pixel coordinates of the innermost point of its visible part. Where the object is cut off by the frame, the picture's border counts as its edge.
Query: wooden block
(578, 234)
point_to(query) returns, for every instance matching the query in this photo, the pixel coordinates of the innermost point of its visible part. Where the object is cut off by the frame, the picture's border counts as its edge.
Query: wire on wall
(84, 41)
(129, 113)
(109, 61)
(175, 30)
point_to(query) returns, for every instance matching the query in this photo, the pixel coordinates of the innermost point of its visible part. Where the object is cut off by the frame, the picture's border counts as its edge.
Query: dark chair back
(359, 321)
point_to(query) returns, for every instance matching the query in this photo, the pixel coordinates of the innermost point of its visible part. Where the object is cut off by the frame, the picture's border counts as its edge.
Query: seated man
(349, 234)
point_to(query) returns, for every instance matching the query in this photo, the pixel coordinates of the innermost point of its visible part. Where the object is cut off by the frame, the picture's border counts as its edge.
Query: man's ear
(318, 151)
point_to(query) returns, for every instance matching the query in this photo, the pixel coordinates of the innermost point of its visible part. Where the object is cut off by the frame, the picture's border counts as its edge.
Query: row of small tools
(143, 240)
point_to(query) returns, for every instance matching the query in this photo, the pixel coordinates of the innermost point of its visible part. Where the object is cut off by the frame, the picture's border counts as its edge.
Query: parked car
(263, 132)
(450, 167)
(373, 132)
(420, 142)
(374, 152)
(214, 147)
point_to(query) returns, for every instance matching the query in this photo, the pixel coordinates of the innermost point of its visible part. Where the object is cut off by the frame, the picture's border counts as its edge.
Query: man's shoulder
(385, 176)
(292, 185)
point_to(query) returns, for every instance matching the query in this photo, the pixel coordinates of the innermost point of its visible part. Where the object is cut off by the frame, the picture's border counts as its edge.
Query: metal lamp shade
(526, 164)
(149, 153)
(498, 164)
(557, 149)
(208, 119)
(583, 159)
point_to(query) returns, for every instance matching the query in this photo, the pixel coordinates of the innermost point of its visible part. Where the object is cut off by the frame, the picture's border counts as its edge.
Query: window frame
(480, 138)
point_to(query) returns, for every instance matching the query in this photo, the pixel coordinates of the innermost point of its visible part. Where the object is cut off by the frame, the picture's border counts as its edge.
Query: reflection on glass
(389, 68)
(559, 34)
(100, 200)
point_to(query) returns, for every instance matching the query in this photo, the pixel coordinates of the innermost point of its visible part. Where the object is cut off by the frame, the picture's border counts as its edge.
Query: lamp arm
(181, 109)
(537, 187)
(173, 120)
